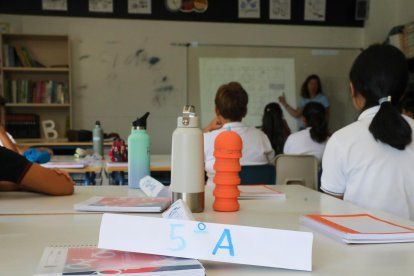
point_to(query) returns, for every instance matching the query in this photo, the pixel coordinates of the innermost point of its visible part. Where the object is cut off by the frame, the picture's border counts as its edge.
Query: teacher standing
(311, 91)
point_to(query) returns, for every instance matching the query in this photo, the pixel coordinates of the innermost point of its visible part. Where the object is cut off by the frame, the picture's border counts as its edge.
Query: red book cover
(95, 261)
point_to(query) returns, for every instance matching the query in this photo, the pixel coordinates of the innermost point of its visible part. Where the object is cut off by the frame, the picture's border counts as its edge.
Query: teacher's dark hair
(381, 71)
(315, 115)
(304, 91)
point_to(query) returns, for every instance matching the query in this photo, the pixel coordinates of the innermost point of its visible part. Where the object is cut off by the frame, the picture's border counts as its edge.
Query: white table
(23, 237)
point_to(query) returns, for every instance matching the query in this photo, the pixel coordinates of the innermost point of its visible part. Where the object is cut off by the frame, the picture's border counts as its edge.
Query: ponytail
(389, 127)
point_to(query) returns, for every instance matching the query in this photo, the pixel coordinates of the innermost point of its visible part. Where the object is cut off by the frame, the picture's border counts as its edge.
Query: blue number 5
(182, 244)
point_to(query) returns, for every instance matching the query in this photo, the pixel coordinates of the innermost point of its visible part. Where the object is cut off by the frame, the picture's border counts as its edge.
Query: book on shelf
(127, 204)
(21, 125)
(359, 228)
(259, 192)
(95, 261)
(40, 91)
(64, 165)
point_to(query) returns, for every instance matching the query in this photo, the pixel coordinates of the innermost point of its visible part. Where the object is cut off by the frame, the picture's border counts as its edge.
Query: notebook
(64, 165)
(259, 192)
(359, 228)
(95, 261)
(123, 204)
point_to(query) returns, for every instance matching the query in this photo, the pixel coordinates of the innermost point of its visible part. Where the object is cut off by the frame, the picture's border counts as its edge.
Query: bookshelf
(35, 79)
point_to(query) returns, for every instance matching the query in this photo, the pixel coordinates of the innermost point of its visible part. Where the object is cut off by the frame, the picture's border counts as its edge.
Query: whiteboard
(264, 79)
(332, 66)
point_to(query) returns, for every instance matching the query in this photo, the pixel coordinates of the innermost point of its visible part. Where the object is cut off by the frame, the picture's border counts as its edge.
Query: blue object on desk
(37, 156)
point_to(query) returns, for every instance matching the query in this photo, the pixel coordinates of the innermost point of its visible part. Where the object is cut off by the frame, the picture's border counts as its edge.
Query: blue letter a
(226, 234)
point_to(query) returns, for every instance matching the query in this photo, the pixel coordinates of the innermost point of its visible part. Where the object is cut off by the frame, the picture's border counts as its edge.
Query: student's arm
(213, 125)
(6, 141)
(47, 181)
(17, 173)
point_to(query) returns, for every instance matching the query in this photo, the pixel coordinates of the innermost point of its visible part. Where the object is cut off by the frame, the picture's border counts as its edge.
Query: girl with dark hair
(311, 91)
(369, 162)
(275, 126)
(312, 139)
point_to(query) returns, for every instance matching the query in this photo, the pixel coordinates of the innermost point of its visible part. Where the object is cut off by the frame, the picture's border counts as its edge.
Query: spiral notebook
(95, 261)
(123, 204)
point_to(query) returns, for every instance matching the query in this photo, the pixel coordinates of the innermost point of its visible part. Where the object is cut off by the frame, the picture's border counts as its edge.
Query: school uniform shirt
(257, 149)
(13, 166)
(301, 143)
(367, 172)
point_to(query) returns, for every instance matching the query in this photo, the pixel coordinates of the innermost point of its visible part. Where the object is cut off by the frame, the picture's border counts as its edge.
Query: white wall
(101, 92)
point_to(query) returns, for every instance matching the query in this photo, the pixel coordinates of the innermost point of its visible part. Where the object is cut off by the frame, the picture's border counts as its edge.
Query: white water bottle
(187, 161)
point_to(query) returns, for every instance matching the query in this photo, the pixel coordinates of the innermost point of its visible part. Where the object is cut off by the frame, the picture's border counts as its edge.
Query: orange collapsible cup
(227, 151)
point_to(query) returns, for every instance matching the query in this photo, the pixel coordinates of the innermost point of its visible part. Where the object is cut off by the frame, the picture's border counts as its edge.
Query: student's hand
(64, 173)
(214, 124)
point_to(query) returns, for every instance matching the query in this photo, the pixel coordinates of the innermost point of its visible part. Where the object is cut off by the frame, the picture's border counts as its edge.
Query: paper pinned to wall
(264, 79)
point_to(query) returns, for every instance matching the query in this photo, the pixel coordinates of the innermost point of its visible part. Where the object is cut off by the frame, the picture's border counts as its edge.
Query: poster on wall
(279, 9)
(101, 6)
(315, 10)
(55, 5)
(139, 6)
(249, 8)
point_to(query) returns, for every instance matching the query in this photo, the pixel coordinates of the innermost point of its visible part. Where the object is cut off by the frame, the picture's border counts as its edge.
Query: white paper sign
(207, 241)
(150, 186)
(178, 210)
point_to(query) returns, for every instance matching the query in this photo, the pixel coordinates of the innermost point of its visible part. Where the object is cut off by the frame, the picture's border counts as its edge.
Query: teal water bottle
(138, 152)
(97, 138)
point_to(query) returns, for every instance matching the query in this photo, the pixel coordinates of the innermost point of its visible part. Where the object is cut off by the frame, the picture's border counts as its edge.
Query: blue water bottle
(138, 152)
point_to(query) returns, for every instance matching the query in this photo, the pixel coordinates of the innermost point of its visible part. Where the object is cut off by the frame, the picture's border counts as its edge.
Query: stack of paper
(259, 192)
(95, 261)
(123, 204)
(359, 228)
(64, 165)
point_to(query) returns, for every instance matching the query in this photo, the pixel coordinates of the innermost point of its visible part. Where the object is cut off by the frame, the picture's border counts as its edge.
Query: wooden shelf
(29, 89)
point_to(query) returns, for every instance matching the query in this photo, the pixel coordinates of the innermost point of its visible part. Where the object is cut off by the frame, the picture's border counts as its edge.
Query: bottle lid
(141, 123)
(98, 123)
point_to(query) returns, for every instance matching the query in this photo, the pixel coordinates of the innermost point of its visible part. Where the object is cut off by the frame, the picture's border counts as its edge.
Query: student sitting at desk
(231, 107)
(370, 162)
(312, 139)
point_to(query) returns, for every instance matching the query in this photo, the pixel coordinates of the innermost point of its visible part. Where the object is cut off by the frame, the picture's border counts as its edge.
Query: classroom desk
(160, 169)
(60, 146)
(91, 174)
(24, 237)
(159, 163)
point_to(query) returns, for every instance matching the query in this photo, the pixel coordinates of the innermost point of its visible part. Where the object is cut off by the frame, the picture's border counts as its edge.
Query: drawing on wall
(117, 67)
(101, 6)
(279, 9)
(55, 5)
(139, 6)
(264, 79)
(315, 10)
(249, 8)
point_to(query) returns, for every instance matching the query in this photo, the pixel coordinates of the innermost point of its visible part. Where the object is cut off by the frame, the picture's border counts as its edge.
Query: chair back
(297, 169)
(258, 174)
